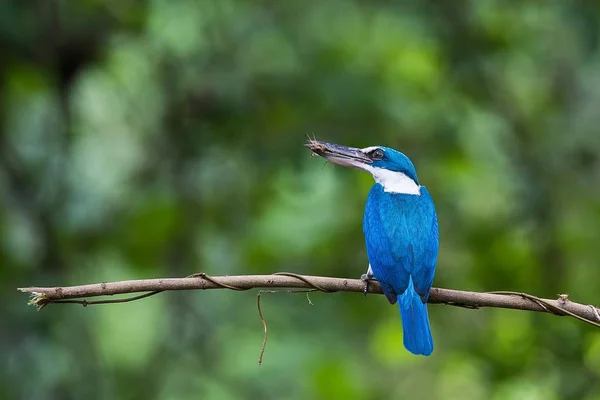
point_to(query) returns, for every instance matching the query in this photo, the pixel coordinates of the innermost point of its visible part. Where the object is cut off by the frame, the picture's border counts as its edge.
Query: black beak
(338, 154)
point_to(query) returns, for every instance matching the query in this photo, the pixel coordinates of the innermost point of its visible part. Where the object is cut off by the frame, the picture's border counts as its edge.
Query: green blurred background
(162, 138)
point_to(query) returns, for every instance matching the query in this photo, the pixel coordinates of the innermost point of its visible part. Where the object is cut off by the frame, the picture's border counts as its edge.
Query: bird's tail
(415, 322)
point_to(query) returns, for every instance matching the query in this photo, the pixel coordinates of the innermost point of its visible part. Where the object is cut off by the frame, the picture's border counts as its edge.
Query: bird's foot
(366, 278)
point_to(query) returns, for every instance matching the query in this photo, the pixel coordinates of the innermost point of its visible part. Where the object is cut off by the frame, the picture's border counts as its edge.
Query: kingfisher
(401, 234)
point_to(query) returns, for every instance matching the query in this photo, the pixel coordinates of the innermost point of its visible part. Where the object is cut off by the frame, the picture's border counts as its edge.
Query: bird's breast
(401, 235)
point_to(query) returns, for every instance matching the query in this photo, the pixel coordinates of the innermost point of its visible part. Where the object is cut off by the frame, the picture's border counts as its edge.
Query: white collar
(394, 182)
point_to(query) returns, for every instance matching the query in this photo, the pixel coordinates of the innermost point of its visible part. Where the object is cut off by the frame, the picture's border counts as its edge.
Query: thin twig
(262, 317)
(264, 324)
(42, 296)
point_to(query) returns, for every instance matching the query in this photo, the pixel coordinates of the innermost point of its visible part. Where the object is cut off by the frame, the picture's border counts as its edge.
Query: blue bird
(401, 233)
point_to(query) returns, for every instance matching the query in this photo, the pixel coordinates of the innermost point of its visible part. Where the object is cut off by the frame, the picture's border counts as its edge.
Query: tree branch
(42, 296)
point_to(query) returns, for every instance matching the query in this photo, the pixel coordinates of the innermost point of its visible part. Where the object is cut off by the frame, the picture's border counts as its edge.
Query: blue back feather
(401, 234)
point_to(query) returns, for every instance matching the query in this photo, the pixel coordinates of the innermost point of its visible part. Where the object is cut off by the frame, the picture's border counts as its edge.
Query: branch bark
(42, 296)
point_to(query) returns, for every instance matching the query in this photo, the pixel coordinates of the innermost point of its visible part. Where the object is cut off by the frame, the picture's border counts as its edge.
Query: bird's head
(390, 168)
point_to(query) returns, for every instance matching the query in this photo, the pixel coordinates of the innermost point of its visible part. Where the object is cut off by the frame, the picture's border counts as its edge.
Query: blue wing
(401, 234)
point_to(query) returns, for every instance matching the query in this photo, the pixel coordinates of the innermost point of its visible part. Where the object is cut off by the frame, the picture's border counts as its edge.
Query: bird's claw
(366, 278)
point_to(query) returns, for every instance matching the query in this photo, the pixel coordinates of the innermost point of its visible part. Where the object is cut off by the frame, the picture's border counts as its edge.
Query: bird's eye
(377, 154)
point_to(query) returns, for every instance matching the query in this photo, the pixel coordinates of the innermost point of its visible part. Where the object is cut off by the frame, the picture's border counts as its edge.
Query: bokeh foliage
(161, 138)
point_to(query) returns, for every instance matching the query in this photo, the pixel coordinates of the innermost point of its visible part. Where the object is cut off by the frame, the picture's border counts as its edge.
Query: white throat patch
(394, 182)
